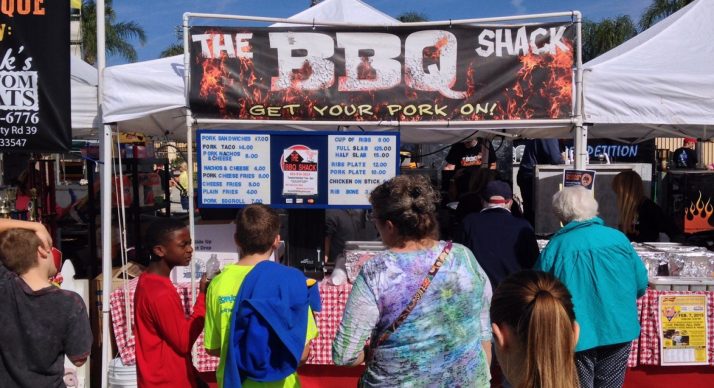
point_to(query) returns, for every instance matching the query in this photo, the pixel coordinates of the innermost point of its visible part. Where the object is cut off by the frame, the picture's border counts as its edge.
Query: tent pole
(105, 192)
(456, 124)
(413, 24)
(581, 131)
(189, 147)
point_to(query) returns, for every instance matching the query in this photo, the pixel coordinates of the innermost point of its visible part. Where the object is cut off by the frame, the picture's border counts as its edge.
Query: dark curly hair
(409, 202)
(159, 232)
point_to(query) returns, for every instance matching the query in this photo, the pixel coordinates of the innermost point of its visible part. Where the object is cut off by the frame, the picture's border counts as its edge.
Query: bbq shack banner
(34, 76)
(457, 73)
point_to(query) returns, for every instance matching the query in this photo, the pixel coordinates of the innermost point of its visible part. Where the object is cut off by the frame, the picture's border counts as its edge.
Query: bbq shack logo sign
(34, 76)
(367, 74)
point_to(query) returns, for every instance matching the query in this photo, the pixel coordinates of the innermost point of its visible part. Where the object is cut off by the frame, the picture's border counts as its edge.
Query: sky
(161, 18)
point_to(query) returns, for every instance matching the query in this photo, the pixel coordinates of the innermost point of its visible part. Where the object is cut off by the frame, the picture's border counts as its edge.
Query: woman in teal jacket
(605, 276)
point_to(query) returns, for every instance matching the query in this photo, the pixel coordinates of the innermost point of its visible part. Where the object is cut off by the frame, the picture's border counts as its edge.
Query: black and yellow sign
(35, 94)
(683, 329)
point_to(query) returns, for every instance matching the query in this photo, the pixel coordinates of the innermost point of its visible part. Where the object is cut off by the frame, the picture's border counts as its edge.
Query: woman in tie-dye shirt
(445, 341)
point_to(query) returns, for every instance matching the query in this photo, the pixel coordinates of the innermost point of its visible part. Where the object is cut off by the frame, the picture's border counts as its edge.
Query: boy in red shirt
(164, 335)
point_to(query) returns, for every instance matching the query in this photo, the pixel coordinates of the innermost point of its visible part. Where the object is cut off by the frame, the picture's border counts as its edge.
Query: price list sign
(233, 169)
(288, 169)
(358, 164)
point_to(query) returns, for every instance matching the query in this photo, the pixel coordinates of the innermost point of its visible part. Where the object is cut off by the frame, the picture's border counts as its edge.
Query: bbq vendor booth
(420, 81)
(354, 93)
(349, 90)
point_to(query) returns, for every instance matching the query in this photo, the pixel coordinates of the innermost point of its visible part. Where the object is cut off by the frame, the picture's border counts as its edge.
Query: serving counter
(645, 358)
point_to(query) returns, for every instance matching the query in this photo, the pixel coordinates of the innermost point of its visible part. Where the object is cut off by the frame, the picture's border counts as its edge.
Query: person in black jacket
(502, 243)
(686, 156)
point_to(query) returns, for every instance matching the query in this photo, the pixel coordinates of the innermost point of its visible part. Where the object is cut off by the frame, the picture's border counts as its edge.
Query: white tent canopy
(83, 85)
(149, 97)
(659, 83)
(343, 11)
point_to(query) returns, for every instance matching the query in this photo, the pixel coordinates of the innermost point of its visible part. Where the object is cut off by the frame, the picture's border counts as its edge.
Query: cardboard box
(95, 294)
(95, 314)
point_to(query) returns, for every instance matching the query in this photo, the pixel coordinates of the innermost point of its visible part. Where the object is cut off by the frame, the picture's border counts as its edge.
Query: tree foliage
(600, 37)
(118, 34)
(412, 16)
(660, 9)
(172, 50)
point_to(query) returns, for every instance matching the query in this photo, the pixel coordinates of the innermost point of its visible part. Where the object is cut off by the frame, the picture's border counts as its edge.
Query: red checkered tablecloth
(645, 350)
(334, 300)
(125, 343)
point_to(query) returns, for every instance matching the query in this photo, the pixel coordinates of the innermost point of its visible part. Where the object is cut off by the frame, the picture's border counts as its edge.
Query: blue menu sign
(293, 169)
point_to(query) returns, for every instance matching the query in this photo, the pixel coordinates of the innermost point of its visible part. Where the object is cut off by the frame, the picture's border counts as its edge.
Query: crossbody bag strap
(417, 296)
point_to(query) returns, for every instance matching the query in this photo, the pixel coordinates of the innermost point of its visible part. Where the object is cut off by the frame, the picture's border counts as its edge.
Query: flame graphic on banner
(556, 89)
(698, 216)
(214, 75)
(542, 82)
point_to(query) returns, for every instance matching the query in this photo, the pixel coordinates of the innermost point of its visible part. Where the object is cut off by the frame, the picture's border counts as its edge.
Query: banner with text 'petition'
(454, 73)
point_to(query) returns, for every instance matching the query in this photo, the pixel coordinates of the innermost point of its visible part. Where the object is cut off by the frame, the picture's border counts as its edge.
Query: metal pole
(414, 24)
(189, 147)
(105, 192)
(581, 132)
(442, 124)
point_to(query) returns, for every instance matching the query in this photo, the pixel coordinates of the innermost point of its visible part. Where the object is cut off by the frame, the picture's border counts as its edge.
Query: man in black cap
(503, 244)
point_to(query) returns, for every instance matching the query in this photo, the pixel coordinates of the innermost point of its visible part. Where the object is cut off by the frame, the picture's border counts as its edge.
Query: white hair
(575, 204)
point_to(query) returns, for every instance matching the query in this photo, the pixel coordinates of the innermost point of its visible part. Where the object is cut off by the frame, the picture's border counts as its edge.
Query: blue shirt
(605, 276)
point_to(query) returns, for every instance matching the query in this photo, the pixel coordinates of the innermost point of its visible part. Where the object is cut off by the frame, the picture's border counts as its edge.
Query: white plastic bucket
(120, 375)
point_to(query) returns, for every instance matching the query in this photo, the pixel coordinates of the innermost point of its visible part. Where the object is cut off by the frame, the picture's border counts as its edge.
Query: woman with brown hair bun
(423, 303)
(639, 217)
(534, 331)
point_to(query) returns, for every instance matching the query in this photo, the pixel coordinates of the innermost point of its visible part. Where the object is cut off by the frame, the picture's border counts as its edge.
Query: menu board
(293, 169)
(232, 169)
(357, 165)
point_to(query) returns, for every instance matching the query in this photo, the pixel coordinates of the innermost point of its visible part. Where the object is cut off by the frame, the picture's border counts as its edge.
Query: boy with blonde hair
(257, 236)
